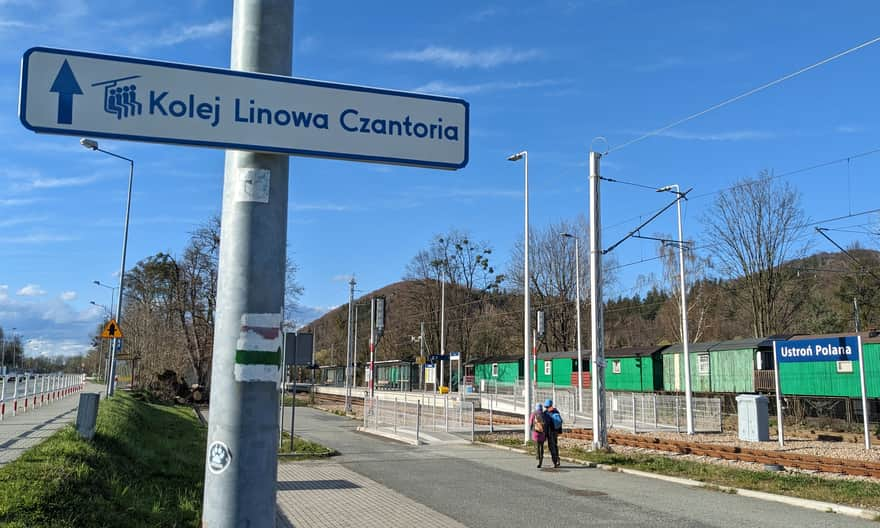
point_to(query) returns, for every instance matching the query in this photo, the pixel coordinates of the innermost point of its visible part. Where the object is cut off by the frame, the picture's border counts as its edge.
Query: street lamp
(674, 189)
(93, 145)
(577, 281)
(112, 292)
(524, 155)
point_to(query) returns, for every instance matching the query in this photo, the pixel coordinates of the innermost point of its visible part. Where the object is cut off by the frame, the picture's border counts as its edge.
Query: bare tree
(755, 227)
(552, 283)
(701, 298)
(471, 280)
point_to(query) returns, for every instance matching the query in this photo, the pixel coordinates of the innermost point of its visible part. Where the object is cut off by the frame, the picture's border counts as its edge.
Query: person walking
(553, 422)
(538, 426)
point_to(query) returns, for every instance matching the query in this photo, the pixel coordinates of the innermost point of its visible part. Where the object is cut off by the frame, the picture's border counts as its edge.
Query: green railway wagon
(736, 366)
(833, 378)
(555, 368)
(500, 369)
(636, 369)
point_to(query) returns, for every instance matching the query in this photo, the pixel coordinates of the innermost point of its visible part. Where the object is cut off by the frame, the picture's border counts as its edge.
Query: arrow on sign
(66, 87)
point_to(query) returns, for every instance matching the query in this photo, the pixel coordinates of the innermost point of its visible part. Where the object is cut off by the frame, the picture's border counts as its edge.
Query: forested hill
(816, 296)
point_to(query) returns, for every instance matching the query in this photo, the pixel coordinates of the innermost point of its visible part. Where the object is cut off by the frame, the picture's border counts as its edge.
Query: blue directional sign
(828, 349)
(88, 94)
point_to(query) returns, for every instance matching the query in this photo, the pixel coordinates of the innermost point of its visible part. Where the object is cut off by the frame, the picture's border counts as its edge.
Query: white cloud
(458, 58)
(665, 63)
(12, 202)
(68, 296)
(54, 183)
(31, 290)
(181, 34)
(342, 278)
(40, 346)
(4, 292)
(18, 220)
(442, 87)
(321, 207)
(849, 129)
(36, 238)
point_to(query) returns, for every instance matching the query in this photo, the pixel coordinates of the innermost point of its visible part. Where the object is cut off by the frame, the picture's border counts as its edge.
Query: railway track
(740, 454)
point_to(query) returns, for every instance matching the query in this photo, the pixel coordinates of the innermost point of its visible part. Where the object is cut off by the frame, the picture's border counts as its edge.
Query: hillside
(818, 299)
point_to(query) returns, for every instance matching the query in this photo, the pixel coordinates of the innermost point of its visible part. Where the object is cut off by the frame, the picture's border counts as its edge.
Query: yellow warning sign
(112, 330)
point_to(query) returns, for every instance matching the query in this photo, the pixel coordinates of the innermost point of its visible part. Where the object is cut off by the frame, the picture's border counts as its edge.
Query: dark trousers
(539, 450)
(554, 449)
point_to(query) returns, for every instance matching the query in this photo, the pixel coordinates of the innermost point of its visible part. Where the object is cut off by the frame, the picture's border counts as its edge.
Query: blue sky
(544, 75)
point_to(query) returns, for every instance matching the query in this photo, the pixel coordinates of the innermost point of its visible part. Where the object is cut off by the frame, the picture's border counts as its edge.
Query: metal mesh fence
(410, 418)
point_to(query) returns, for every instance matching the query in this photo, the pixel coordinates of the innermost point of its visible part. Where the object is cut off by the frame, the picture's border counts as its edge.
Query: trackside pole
(779, 428)
(597, 332)
(241, 466)
(865, 411)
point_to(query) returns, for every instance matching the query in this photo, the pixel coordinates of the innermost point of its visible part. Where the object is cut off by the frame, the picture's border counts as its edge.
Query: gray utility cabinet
(753, 421)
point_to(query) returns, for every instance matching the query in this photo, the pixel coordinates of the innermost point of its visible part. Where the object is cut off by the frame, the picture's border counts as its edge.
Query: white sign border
(22, 109)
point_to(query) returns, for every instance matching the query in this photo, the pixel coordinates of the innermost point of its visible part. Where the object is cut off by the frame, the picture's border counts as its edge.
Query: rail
(20, 393)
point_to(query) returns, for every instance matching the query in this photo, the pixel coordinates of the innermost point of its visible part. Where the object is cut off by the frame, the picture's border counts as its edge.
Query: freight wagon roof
(755, 343)
(609, 352)
(494, 359)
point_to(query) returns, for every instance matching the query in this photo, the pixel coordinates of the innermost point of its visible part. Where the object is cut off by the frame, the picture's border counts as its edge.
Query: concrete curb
(827, 507)
(392, 436)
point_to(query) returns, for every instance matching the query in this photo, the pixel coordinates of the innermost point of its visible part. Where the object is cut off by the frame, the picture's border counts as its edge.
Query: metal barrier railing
(22, 392)
(410, 417)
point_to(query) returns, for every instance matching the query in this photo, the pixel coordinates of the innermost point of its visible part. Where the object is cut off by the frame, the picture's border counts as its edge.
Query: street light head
(567, 235)
(516, 157)
(665, 188)
(96, 282)
(93, 302)
(89, 143)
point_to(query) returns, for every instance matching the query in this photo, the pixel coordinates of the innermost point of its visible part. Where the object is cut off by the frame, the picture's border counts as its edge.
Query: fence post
(472, 422)
(491, 417)
(610, 396)
(633, 399)
(460, 411)
(655, 412)
(677, 424)
(3, 398)
(395, 415)
(446, 411)
(553, 390)
(418, 420)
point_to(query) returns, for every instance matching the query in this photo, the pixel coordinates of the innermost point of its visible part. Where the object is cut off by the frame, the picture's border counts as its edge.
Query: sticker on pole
(219, 457)
(112, 330)
(258, 349)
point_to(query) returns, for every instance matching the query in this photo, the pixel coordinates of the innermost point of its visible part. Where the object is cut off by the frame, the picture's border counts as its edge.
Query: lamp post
(108, 314)
(14, 346)
(674, 189)
(93, 145)
(112, 292)
(577, 282)
(527, 394)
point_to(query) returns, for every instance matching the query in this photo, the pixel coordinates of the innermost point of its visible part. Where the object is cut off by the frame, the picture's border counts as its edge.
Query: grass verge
(858, 493)
(144, 468)
(303, 449)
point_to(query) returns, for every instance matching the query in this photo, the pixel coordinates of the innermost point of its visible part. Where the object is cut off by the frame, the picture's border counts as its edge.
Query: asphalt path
(484, 487)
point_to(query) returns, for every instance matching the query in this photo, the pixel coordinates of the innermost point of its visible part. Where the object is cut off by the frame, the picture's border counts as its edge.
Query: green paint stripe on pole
(257, 357)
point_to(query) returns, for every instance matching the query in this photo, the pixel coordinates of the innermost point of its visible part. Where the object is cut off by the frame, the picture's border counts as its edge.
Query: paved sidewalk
(22, 432)
(321, 494)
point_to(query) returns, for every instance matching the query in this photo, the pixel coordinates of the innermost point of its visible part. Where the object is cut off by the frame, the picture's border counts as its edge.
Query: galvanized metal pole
(577, 282)
(780, 433)
(597, 333)
(349, 350)
(442, 327)
(111, 383)
(688, 394)
(865, 410)
(422, 355)
(372, 344)
(241, 468)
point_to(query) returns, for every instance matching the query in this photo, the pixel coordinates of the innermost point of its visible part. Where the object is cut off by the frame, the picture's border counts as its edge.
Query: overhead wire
(743, 95)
